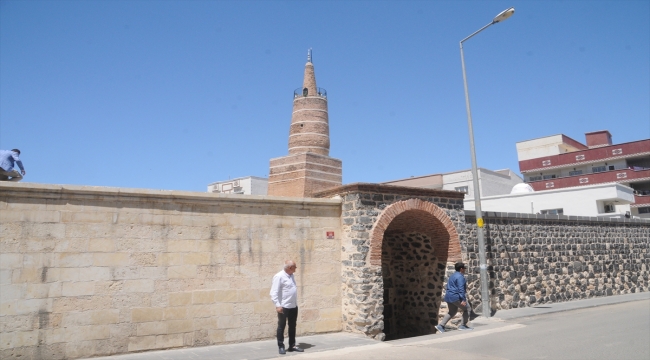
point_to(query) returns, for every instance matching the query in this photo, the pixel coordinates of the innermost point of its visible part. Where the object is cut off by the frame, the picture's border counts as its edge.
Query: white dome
(522, 189)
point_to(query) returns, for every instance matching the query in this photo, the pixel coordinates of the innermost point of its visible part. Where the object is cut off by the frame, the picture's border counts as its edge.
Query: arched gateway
(412, 242)
(397, 242)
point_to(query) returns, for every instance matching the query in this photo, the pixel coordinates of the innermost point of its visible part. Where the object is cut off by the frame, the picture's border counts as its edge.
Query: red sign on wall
(330, 234)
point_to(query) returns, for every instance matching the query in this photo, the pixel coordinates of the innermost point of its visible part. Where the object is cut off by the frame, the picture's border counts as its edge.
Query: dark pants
(292, 316)
(453, 309)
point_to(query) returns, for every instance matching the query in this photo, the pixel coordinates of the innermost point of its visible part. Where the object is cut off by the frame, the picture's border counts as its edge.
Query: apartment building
(560, 162)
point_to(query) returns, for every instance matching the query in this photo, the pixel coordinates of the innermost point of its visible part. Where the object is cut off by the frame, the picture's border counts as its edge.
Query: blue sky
(177, 94)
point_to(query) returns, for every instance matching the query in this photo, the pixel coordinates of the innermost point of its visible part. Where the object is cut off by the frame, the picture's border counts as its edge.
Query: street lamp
(485, 299)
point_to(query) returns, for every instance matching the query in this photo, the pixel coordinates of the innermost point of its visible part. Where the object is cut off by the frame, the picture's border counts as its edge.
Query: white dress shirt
(284, 291)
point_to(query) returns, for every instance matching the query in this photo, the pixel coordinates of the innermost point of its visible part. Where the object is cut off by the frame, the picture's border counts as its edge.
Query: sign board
(330, 234)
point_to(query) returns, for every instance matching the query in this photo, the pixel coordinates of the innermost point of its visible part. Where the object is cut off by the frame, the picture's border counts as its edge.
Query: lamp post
(485, 299)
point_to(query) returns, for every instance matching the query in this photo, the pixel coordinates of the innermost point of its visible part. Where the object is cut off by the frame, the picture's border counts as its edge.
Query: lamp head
(503, 15)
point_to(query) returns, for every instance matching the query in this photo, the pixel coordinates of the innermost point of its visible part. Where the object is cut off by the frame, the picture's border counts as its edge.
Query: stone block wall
(88, 271)
(537, 259)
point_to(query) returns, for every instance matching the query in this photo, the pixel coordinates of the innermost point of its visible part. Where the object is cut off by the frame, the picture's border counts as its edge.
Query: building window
(553, 212)
(463, 189)
(535, 178)
(598, 169)
(609, 208)
(644, 210)
(546, 177)
(576, 172)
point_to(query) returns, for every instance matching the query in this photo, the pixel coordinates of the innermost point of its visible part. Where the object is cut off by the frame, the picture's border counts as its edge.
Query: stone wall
(88, 271)
(537, 259)
(395, 244)
(413, 279)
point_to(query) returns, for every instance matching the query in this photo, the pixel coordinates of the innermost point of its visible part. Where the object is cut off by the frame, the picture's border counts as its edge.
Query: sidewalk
(337, 345)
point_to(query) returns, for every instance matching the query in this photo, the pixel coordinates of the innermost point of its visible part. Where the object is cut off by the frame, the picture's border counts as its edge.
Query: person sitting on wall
(284, 296)
(456, 298)
(7, 160)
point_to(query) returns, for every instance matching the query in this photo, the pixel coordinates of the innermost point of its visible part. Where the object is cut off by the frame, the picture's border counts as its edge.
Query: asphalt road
(620, 331)
(613, 327)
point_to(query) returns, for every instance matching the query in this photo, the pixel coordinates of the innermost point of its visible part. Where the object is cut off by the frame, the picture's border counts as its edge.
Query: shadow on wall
(413, 279)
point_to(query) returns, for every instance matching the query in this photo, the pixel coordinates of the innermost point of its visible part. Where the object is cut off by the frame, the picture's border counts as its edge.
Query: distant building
(575, 201)
(559, 162)
(491, 182)
(249, 185)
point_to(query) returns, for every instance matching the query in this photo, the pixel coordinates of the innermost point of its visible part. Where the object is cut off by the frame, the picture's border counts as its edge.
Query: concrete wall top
(54, 191)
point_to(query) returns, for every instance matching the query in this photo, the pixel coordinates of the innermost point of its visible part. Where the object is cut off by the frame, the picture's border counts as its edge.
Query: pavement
(355, 346)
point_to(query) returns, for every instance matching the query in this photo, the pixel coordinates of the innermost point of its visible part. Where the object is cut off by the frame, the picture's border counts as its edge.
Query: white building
(491, 182)
(602, 200)
(249, 185)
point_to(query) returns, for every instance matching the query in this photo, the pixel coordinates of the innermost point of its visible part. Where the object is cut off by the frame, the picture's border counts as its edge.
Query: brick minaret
(308, 167)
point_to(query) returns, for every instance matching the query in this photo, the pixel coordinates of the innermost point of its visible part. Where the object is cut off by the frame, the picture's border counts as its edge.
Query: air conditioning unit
(609, 208)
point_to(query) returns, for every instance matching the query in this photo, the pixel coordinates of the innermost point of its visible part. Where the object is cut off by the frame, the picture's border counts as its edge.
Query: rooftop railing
(303, 92)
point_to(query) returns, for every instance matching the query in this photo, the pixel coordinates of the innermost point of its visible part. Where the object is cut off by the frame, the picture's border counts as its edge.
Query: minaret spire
(309, 83)
(308, 168)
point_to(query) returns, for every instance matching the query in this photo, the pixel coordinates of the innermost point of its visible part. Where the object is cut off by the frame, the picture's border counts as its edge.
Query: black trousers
(292, 316)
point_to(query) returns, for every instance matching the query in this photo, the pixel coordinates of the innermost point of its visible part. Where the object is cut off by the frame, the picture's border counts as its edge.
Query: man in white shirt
(284, 296)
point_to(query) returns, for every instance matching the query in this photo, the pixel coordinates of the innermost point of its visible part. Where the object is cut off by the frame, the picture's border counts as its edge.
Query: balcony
(300, 92)
(611, 176)
(578, 158)
(641, 200)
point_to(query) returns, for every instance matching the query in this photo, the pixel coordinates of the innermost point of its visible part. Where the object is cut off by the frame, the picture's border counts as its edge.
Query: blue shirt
(7, 159)
(456, 286)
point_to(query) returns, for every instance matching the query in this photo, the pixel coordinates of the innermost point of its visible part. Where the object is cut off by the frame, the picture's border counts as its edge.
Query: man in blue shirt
(456, 298)
(7, 160)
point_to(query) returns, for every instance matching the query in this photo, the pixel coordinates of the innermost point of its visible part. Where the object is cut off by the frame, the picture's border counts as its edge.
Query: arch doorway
(417, 240)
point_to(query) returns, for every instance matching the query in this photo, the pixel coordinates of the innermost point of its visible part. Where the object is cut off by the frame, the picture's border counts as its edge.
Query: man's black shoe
(296, 349)
(282, 352)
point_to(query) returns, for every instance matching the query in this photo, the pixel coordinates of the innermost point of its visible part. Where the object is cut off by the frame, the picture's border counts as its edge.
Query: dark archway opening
(414, 255)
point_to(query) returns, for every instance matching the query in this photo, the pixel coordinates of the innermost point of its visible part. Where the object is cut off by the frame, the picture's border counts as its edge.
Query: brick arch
(413, 212)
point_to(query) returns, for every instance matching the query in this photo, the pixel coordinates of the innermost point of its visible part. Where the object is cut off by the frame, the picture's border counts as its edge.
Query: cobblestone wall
(536, 259)
(413, 280)
(533, 258)
(368, 211)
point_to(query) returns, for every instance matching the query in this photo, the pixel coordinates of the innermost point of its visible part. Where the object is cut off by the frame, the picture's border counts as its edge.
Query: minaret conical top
(309, 81)
(308, 168)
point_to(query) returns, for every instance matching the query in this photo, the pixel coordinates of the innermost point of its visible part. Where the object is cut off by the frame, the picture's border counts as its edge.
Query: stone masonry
(308, 168)
(395, 244)
(538, 259)
(92, 271)
(413, 278)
